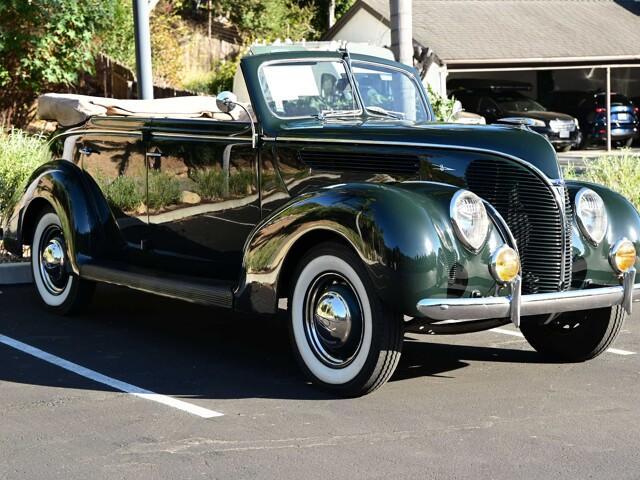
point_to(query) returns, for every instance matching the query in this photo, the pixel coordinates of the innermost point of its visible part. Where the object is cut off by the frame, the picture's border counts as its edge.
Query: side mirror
(226, 101)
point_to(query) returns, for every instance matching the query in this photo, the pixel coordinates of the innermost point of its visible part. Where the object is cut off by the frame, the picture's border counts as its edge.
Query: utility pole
(332, 13)
(402, 30)
(143, 49)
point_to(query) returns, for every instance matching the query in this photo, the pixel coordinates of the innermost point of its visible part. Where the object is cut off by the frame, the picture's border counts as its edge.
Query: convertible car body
(335, 189)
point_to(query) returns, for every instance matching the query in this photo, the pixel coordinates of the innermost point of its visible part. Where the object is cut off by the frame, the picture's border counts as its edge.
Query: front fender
(402, 233)
(83, 211)
(591, 263)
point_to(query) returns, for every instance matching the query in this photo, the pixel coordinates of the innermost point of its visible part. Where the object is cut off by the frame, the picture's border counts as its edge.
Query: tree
(44, 44)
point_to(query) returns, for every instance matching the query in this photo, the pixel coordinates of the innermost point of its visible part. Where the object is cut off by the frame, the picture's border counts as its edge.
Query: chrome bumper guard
(517, 305)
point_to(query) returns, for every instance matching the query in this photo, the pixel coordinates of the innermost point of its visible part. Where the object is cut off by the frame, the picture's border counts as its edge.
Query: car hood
(539, 115)
(504, 140)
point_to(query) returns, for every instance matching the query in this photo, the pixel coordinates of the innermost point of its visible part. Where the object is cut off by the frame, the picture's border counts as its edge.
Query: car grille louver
(541, 229)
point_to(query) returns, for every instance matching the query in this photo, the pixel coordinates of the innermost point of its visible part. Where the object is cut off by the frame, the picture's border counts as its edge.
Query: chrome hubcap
(333, 320)
(52, 260)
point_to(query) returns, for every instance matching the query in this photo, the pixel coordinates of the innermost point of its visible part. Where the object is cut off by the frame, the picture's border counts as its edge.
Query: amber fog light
(622, 256)
(505, 264)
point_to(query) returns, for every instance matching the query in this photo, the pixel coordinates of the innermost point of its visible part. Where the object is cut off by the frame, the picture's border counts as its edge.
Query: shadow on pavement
(179, 349)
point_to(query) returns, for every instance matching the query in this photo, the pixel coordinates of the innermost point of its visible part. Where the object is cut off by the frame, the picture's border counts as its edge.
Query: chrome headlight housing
(591, 214)
(470, 220)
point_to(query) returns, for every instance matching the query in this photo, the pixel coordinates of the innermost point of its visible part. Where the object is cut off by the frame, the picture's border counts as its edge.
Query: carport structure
(552, 44)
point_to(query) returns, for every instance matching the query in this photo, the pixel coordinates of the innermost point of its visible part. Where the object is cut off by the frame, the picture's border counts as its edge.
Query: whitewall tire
(58, 288)
(343, 336)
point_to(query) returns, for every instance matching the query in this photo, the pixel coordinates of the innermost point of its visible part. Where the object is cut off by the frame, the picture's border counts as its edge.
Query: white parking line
(111, 382)
(513, 333)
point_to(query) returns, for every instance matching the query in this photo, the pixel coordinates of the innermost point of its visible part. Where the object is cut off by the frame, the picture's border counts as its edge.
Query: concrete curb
(15, 273)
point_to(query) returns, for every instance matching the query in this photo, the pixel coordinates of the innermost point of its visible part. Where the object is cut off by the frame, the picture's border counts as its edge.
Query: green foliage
(44, 44)
(119, 41)
(218, 80)
(442, 106)
(240, 182)
(123, 193)
(618, 172)
(20, 154)
(164, 190)
(209, 183)
(269, 19)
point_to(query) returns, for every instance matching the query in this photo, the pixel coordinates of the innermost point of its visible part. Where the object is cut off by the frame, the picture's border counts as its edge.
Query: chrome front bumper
(517, 305)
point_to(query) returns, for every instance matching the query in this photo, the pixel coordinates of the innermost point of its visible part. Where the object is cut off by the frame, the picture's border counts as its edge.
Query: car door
(115, 161)
(203, 198)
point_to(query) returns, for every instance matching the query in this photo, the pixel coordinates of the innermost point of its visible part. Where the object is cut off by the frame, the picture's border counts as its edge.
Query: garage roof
(475, 32)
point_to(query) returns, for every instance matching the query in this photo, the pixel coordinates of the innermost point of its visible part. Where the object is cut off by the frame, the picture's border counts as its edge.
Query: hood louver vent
(361, 162)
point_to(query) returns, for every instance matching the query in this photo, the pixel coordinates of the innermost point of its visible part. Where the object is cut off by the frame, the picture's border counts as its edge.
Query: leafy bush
(442, 106)
(618, 172)
(44, 44)
(209, 183)
(241, 182)
(20, 154)
(123, 193)
(164, 190)
(218, 80)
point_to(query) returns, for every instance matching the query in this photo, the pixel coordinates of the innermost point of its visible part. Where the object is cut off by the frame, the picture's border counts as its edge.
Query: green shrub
(123, 193)
(442, 106)
(220, 79)
(20, 154)
(240, 182)
(618, 172)
(164, 190)
(209, 183)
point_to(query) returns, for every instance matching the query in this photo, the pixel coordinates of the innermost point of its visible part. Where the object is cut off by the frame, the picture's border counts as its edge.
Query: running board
(217, 294)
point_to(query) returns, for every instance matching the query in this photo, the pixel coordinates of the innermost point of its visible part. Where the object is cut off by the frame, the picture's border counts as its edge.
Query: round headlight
(470, 219)
(622, 256)
(591, 215)
(505, 264)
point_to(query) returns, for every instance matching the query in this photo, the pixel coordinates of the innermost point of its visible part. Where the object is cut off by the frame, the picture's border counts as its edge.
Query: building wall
(364, 27)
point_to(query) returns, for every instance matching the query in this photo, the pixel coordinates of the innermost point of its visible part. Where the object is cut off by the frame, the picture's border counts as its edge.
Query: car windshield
(323, 89)
(518, 103)
(390, 92)
(307, 89)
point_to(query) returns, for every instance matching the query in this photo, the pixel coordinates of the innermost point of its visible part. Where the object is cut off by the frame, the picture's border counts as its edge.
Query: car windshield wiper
(385, 113)
(324, 114)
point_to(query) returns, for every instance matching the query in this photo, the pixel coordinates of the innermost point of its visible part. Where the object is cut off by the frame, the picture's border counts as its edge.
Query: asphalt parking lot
(476, 406)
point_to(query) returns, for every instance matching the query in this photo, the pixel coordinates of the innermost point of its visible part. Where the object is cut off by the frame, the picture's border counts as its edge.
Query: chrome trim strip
(225, 138)
(516, 306)
(86, 131)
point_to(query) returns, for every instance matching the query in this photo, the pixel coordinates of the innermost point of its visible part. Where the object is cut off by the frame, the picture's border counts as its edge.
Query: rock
(190, 197)
(142, 209)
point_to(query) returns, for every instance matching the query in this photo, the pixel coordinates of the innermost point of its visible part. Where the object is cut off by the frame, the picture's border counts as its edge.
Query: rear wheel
(59, 289)
(575, 336)
(344, 338)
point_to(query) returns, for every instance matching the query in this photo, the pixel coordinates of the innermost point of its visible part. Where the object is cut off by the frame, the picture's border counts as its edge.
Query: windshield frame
(356, 97)
(272, 126)
(418, 86)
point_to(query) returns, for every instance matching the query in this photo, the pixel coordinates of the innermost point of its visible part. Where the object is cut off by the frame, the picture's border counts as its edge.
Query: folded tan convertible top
(69, 109)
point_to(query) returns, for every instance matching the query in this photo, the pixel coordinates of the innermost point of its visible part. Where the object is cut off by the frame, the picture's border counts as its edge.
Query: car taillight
(601, 110)
(636, 109)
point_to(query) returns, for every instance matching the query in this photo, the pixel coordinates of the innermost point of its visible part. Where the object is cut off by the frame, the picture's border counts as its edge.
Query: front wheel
(58, 288)
(344, 338)
(575, 336)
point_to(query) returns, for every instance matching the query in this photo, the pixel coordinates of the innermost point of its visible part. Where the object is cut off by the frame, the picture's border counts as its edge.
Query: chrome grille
(559, 125)
(529, 207)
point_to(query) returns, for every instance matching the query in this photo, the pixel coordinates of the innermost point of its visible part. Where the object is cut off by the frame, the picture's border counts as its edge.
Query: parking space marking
(513, 333)
(111, 382)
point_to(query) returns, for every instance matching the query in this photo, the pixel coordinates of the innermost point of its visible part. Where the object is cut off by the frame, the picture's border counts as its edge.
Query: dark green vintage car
(335, 189)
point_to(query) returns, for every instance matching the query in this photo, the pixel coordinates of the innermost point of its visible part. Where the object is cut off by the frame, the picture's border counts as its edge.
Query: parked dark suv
(503, 102)
(591, 110)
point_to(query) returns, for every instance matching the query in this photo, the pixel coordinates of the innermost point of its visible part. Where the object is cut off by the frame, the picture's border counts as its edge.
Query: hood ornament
(444, 168)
